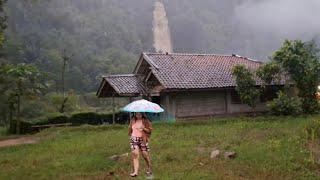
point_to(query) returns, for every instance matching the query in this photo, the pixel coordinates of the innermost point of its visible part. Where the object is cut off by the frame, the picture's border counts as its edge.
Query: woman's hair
(144, 116)
(145, 121)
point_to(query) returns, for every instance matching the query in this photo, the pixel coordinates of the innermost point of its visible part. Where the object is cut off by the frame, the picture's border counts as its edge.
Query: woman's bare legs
(146, 157)
(135, 160)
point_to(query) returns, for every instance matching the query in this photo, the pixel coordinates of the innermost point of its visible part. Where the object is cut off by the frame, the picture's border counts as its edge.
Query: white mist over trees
(107, 36)
(270, 22)
(284, 18)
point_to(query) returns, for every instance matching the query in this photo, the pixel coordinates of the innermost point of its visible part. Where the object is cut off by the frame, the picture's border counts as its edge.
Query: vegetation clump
(296, 65)
(285, 105)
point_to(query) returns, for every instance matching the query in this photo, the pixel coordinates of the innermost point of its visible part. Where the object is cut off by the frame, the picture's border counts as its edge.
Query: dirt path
(18, 141)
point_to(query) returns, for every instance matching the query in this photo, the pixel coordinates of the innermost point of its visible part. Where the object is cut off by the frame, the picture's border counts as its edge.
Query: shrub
(40, 121)
(122, 117)
(285, 105)
(86, 118)
(25, 127)
(106, 118)
(91, 118)
(57, 118)
(95, 118)
(52, 118)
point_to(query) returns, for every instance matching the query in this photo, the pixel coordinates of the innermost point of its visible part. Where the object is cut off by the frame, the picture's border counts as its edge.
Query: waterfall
(161, 31)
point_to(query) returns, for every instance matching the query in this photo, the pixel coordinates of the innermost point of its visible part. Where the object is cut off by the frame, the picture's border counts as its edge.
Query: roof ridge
(185, 54)
(246, 58)
(119, 75)
(196, 54)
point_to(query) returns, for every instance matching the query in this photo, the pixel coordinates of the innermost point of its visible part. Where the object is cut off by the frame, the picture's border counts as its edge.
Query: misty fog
(111, 34)
(270, 22)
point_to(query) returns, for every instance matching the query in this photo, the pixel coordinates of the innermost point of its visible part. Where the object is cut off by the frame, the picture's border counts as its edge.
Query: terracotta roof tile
(188, 71)
(125, 84)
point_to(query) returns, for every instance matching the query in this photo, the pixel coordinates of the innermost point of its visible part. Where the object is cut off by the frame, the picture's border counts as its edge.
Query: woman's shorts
(137, 142)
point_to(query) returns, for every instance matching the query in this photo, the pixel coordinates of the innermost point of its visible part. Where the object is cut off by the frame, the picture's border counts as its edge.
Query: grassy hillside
(267, 148)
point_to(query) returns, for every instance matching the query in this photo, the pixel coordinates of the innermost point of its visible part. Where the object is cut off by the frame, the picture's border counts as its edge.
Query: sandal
(133, 175)
(149, 175)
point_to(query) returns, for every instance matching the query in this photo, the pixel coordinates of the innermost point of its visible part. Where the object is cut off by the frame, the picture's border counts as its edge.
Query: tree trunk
(18, 115)
(62, 77)
(254, 111)
(11, 110)
(3, 121)
(65, 99)
(63, 105)
(129, 114)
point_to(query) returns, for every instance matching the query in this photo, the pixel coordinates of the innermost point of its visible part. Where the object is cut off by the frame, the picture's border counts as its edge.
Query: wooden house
(185, 85)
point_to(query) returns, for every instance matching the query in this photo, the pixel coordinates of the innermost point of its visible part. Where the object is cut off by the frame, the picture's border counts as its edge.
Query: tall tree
(66, 59)
(23, 80)
(3, 19)
(301, 60)
(3, 25)
(269, 73)
(246, 86)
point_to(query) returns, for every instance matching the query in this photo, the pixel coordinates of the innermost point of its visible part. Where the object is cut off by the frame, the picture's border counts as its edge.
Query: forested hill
(102, 36)
(107, 36)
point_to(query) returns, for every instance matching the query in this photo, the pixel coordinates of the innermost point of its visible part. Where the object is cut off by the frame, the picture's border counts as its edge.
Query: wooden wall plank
(200, 103)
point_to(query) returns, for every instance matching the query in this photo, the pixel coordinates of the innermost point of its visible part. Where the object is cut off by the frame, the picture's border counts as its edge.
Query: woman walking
(139, 131)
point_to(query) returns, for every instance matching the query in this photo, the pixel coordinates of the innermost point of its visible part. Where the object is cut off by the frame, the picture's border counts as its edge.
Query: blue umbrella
(143, 106)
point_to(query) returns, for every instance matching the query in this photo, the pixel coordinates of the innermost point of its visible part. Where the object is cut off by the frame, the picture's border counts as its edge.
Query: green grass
(267, 148)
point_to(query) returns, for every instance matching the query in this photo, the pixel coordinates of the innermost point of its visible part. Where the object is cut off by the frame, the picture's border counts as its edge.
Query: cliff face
(161, 30)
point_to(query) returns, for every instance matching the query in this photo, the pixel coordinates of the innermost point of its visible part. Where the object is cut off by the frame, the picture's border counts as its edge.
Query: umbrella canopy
(143, 106)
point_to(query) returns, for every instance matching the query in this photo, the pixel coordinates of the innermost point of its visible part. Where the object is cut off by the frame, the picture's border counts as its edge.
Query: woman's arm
(147, 130)
(148, 127)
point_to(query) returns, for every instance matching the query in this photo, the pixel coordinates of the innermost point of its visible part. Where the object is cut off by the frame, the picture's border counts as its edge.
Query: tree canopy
(301, 60)
(246, 85)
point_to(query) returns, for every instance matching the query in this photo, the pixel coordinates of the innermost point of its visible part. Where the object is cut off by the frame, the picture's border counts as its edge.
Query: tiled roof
(125, 84)
(188, 71)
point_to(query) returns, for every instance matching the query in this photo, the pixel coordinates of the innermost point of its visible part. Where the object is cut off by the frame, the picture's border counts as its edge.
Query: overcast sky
(286, 18)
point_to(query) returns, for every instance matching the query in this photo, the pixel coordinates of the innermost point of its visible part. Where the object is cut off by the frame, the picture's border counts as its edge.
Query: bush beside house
(298, 64)
(285, 105)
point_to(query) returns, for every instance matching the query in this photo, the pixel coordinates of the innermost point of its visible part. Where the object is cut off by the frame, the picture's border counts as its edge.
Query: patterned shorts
(137, 142)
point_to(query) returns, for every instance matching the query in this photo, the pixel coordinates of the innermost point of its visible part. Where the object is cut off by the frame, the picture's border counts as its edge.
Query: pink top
(136, 126)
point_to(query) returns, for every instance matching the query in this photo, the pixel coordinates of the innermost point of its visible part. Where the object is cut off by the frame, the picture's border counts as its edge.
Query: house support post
(226, 100)
(129, 114)
(113, 111)
(167, 104)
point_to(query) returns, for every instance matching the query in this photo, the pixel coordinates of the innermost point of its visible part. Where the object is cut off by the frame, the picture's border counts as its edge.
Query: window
(269, 94)
(235, 98)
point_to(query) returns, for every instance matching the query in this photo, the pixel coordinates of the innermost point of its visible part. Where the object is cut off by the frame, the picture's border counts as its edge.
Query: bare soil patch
(18, 141)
